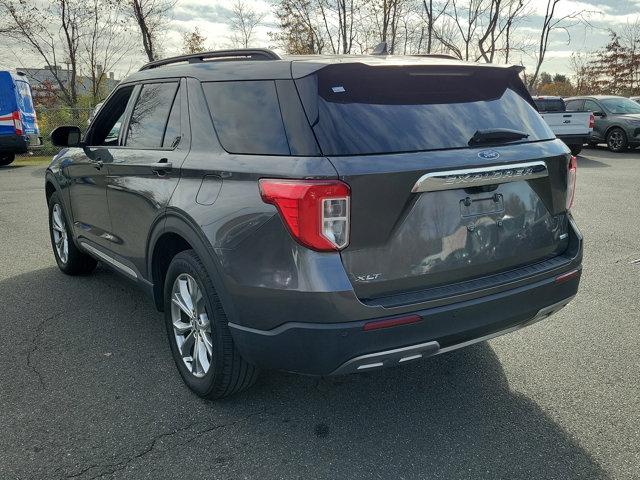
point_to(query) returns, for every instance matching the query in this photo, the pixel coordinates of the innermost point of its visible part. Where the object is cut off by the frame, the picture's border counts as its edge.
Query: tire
(70, 259)
(617, 140)
(575, 150)
(227, 372)
(7, 159)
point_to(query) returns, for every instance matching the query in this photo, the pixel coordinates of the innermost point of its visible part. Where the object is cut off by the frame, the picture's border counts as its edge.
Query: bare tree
(467, 17)
(387, 14)
(104, 44)
(244, 20)
(516, 12)
(550, 24)
(433, 14)
(53, 33)
(151, 16)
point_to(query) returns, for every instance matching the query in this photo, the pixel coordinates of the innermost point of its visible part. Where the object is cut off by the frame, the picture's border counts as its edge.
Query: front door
(86, 171)
(145, 171)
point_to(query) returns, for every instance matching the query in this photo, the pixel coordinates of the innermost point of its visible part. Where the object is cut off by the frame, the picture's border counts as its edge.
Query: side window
(173, 132)
(105, 129)
(591, 106)
(574, 105)
(247, 117)
(150, 115)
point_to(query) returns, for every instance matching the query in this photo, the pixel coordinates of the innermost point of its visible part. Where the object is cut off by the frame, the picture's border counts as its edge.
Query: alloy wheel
(191, 325)
(59, 232)
(616, 140)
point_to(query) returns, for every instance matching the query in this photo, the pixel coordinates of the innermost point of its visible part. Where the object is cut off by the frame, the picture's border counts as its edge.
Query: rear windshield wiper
(496, 135)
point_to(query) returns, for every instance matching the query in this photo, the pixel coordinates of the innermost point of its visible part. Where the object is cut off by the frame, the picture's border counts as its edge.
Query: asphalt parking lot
(88, 388)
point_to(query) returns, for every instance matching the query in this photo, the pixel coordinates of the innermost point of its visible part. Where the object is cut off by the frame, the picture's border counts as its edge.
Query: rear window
(25, 101)
(356, 109)
(247, 117)
(550, 105)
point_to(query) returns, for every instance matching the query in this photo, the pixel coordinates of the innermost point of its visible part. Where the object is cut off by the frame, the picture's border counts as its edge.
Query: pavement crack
(150, 447)
(34, 347)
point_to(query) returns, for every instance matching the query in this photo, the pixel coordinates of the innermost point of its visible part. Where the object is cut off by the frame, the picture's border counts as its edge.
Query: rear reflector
(17, 122)
(565, 277)
(391, 322)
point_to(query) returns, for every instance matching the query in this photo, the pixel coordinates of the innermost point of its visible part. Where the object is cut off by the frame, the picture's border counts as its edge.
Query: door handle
(162, 167)
(97, 163)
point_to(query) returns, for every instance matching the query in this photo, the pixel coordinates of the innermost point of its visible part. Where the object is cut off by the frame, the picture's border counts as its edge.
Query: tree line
(611, 70)
(93, 37)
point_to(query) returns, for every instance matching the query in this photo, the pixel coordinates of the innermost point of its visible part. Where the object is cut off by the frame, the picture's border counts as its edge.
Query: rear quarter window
(25, 102)
(550, 105)
(247, 117)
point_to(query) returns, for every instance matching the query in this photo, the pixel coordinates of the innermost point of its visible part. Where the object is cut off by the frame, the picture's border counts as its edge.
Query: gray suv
(320, 215)
(617, 120)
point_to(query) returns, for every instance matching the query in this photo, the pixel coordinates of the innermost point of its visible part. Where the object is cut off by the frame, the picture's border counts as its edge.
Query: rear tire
(617, 140)
(199, 336)
(70, 259)
(575, 150)
(7, 159)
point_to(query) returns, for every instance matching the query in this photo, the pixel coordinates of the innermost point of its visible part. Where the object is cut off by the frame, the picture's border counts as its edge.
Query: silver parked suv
(617, 120)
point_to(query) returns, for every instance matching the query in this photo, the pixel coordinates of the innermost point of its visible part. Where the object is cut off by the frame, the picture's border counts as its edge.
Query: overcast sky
(211, 16)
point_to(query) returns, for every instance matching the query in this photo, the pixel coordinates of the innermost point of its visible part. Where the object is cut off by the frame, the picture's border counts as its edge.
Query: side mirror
(66, 136)
(599, 114)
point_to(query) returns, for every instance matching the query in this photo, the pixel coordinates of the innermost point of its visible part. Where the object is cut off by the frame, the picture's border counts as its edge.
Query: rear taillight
(17, 123)
(592, 121)
(316, 212)
(571, 180)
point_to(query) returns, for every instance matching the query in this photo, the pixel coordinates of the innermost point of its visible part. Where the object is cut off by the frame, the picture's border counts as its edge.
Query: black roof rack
(238, 54)
(436, 55)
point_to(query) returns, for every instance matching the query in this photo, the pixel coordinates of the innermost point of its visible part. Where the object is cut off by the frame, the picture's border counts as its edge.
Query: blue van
(18, 125)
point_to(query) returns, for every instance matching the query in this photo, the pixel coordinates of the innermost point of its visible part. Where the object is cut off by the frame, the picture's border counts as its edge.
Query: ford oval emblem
(488, 154)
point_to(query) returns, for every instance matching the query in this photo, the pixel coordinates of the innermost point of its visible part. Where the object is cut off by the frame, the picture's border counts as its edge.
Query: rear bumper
(337, 348)
(575, 139)
(19, 143)
(13, 144)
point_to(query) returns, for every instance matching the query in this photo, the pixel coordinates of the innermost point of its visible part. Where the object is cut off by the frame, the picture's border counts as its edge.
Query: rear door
(7, 106)
(428, 209)
(25, 104)
(145, 171)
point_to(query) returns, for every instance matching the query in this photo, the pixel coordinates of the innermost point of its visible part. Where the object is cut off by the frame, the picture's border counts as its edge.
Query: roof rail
(238, 54)
(436, 55)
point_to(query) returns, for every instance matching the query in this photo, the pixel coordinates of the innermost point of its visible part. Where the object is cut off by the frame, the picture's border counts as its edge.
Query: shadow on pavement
(89, 388)
(584, 162)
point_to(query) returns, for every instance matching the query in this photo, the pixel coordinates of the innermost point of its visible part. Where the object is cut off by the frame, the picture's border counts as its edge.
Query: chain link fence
(50, 118)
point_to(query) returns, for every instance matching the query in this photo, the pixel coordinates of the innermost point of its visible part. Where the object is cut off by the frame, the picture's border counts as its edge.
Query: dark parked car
(321, 215)
(617, 120)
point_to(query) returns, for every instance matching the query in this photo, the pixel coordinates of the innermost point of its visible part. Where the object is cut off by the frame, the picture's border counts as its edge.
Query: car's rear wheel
(6, 159)
(617, 140)
(70, 259)
(200, 340)
(575, 149)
